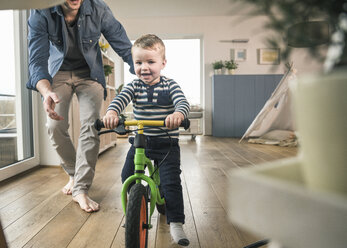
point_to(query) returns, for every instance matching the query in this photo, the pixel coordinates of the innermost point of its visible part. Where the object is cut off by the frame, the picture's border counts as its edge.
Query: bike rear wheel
(136, 220)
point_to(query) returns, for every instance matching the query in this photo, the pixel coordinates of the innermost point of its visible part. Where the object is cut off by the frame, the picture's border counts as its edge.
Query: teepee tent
(276, 118)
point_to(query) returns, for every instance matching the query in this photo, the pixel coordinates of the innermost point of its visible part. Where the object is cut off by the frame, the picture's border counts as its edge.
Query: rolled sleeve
(179, 99)
(116, 35)
(38, 49)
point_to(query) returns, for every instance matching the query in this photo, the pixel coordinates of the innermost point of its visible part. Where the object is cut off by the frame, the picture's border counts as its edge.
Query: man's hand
(49, 102)
(50, 99)
(110, 119)
(174, 120)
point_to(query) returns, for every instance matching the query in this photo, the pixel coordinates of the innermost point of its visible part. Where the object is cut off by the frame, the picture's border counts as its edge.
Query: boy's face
(148, 64)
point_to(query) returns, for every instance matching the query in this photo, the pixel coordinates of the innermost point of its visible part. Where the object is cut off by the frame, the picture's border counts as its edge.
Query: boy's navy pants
(169, 172)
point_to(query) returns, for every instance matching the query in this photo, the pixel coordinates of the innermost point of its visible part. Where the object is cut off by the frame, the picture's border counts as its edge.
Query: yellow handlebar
(141, 123)
(144, 123)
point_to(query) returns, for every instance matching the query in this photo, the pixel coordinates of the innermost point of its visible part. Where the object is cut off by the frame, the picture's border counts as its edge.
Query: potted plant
(217, 67)
(231, 66)
(107, 71)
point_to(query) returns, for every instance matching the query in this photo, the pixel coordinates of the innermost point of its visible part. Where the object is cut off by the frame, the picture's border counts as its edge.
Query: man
(65, 58)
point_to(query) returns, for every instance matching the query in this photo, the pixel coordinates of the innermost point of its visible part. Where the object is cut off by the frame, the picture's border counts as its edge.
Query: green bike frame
(141, 161)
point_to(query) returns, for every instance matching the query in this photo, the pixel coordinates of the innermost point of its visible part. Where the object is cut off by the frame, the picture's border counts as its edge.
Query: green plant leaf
(108, 70)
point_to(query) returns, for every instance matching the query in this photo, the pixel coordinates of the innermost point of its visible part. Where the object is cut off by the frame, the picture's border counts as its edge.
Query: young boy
(156, 97)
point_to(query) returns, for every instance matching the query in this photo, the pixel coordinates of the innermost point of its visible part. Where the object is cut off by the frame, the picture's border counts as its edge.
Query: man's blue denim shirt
(48, 35)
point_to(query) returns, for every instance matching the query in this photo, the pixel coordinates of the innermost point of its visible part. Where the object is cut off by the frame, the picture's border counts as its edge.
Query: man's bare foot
(86, 203)
(67, 190)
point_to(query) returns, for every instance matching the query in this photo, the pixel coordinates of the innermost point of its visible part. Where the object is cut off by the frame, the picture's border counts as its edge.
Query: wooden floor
(34, 212)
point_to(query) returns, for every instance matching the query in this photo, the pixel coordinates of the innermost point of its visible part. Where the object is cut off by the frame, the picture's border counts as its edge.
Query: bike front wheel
(136, 219)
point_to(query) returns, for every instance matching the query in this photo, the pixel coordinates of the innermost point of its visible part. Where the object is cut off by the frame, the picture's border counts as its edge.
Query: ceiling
(160, 8)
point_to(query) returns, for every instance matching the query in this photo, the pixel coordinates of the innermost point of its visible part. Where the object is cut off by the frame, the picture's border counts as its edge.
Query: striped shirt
(154, 102)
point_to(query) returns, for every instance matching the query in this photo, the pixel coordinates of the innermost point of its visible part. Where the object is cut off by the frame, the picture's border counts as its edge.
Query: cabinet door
(236, 101)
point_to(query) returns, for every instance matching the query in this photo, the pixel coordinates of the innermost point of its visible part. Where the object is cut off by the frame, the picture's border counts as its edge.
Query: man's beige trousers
(78, 164)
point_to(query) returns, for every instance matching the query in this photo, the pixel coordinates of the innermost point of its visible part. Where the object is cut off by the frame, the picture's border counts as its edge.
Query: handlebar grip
(185, 124)
(98, 124)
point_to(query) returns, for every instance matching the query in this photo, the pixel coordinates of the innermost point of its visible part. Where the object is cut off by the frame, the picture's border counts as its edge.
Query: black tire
(136, 219)
(160, 208)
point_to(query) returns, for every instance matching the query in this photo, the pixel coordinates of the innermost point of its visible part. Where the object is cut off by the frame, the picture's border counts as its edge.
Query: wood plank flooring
(34, 212)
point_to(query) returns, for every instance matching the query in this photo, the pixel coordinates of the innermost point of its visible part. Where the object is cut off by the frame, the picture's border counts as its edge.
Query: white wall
(212, 29)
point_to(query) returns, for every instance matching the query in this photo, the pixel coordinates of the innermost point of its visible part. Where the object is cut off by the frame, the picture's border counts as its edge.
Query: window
(183, 65)
(16, 115)
(8, 133)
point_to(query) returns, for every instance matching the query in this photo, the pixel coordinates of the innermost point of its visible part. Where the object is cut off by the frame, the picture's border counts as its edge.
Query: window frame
(26, 115)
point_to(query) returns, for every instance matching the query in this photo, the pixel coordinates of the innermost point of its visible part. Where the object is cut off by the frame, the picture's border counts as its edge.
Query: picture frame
(269, 56)
(238, 54)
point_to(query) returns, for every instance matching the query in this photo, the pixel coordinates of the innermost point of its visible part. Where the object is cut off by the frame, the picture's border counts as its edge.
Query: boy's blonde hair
(151, 41)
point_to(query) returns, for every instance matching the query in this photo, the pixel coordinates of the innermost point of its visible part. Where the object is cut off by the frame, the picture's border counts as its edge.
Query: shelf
(106, 56)
(110, 80)
(110, 87)
(273, 201)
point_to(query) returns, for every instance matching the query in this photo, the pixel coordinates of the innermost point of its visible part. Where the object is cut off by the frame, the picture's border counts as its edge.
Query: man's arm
(38, 49)
(116, 35)
(40, 79)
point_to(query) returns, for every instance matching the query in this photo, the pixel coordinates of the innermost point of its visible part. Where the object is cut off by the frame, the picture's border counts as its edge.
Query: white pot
(231, 71)
(217, 71)
(321, 109)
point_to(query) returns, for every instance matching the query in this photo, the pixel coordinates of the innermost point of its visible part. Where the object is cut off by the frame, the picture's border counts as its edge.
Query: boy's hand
(174, 120)
(110, 119)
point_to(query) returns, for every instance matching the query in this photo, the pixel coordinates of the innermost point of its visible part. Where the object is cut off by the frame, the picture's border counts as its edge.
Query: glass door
(17, 142)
